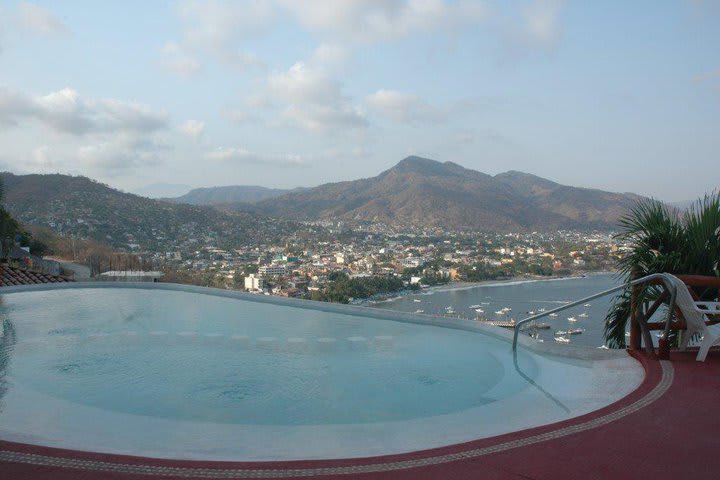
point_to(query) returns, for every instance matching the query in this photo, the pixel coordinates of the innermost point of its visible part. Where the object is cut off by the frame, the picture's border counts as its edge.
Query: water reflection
(8, 337)
(532, 382)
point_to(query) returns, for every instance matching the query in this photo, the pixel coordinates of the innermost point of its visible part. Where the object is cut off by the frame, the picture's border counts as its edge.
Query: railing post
(635, 333)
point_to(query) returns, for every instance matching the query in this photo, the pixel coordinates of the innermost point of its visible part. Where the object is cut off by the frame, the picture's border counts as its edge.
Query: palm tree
(663, 240)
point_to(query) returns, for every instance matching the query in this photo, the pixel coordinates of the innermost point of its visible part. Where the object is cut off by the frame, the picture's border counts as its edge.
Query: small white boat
(484, 303)
(541, 309)
(553, 315)
(572, 319)
(583, 315)
(500, 312)
(603, 347)
(479, 310)
(562, 339)
(531, 312)
(416, 300)
(474, 306)
(586, 305)
(419, 311)
(576, 331)
(507, 309)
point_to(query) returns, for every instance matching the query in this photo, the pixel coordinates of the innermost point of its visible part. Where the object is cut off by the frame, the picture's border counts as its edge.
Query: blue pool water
(182, 374)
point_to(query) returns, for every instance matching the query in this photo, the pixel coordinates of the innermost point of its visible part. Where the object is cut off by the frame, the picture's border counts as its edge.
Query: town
(334, 261)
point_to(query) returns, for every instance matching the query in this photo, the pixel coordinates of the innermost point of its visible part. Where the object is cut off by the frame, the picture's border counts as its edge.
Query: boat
(500, 312)
(450, 312)
(572, 319)
(484, 303)
(419, 311)
(576, 331)
(586, 305)
(416, 300)
(531, 312)
(553, 315)
(500, 323)
(479, 310)
(541, 309)
(507, 309)
(474, 306)
(562, 339)
(583, 315)
(538, 326)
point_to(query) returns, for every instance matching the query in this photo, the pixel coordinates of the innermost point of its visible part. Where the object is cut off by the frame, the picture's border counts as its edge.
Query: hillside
(419, 191)
(228, 194)
(84, 208)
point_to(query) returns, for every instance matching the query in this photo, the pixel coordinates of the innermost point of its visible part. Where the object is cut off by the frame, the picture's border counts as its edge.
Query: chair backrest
(685, 302)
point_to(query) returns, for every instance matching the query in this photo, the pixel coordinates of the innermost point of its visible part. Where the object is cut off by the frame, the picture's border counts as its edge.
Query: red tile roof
(20, 276)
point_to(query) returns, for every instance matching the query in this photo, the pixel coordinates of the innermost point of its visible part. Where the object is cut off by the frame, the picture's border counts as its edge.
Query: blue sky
(623, 96)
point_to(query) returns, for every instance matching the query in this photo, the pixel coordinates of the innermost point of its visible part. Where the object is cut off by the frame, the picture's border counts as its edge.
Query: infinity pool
(181, 372)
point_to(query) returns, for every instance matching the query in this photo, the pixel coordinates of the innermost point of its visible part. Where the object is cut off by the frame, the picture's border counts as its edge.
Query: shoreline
(457, 286)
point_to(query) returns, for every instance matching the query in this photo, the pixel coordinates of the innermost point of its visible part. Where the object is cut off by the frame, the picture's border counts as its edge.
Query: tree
(663, 240)
(8, 225)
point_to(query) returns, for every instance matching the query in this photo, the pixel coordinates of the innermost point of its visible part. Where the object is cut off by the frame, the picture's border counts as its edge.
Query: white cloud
(193, 129)
(315, 100)
(178, 61)
(303, 83)
(41, 158)
(403, 107)
(542, 23)
(242, 156)
(218, 27)
(39, 20)
(321, 118)
(329, 55)
(121, 153)
(99, 136)
(372, 20)
(64, 111)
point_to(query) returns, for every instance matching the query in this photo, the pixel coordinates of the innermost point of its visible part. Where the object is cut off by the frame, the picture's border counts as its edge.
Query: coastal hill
(81, 207)
(424, 192)
(228, 194)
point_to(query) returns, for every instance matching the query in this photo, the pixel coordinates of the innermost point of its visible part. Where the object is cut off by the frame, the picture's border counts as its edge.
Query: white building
(270, 270)
(253, 283)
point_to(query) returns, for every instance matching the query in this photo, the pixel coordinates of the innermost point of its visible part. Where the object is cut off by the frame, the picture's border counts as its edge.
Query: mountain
(420, 191)
(583, 206)
(162, 190)
(228, 194)
(79, 206)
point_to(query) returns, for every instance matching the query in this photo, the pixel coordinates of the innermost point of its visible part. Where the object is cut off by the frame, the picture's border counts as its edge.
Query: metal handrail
(666, 278)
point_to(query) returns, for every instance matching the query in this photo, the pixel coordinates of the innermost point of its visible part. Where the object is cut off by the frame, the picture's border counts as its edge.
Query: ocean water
(522, 297)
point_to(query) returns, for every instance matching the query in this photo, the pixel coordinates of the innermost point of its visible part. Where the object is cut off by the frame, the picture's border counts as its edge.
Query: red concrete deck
(668, 428)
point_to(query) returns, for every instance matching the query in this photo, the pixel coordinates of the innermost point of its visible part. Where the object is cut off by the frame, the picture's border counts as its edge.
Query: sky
(621, 96)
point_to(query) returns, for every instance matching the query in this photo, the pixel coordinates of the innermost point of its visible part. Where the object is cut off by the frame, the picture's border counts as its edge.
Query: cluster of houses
(295, 267)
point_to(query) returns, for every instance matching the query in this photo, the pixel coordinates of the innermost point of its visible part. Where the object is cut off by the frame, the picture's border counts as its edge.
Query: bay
(521, 297)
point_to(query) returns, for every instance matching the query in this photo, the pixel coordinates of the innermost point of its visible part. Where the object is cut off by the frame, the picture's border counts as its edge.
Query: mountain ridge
(85, 208)
(421, 191)
(228, 194)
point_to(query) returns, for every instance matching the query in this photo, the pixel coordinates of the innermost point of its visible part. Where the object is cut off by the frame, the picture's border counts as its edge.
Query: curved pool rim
(87, 460)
